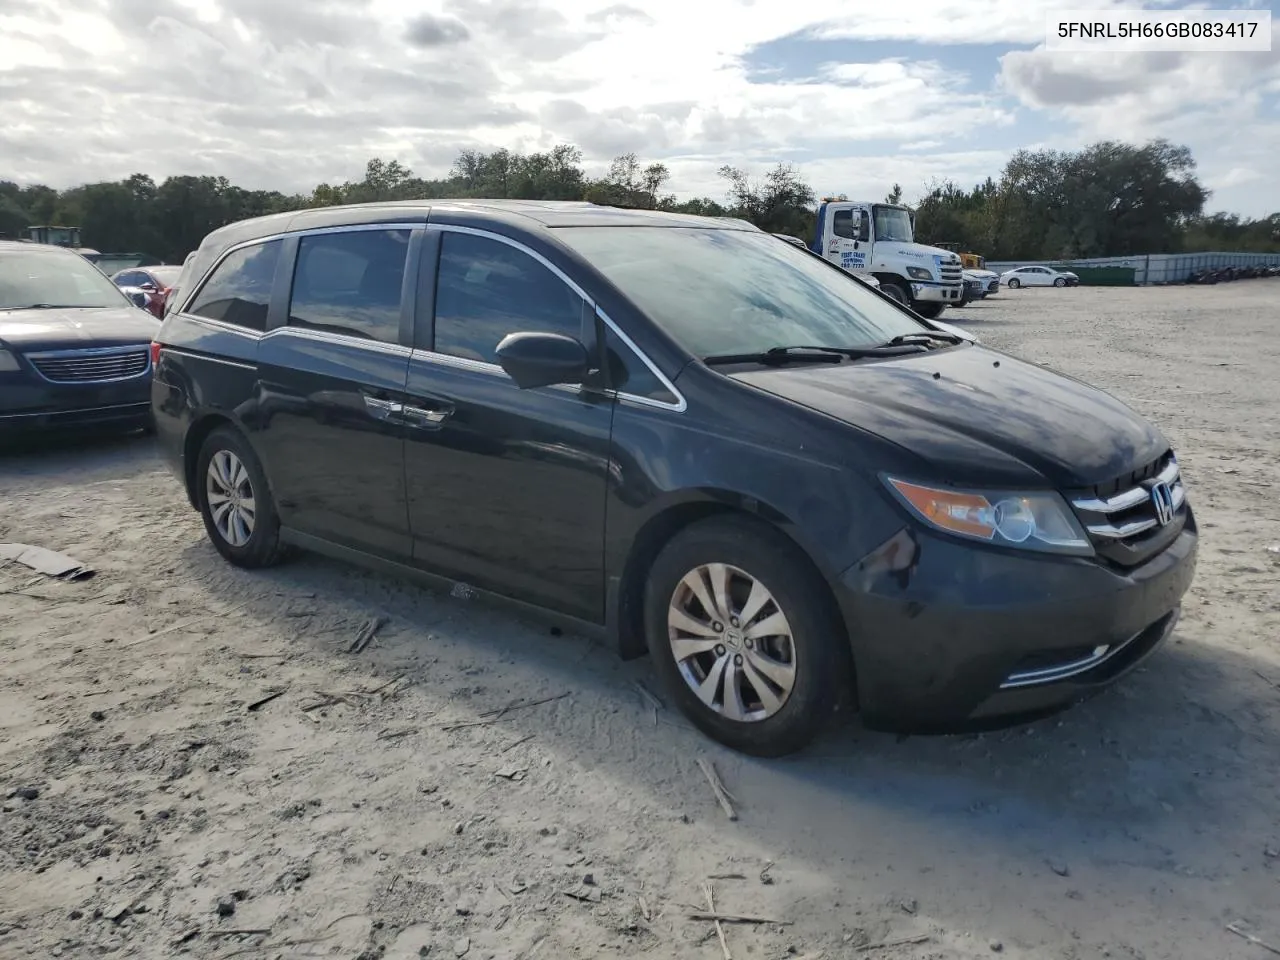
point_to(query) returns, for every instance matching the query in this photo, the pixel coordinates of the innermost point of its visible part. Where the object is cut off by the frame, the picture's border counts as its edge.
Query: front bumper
(946, 633)
(936, 292)
(27, 405)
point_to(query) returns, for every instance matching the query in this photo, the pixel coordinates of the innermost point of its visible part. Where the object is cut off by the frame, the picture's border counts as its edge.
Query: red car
(149, 286)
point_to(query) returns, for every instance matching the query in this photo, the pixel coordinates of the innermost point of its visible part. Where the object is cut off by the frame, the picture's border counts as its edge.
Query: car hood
(978, 416)
(980, 274)
(68, 328)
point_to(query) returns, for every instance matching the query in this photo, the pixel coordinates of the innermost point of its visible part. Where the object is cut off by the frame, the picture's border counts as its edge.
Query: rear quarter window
(238, 290)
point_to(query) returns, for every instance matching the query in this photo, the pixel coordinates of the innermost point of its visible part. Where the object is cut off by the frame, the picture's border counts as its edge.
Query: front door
(506, 486)
(332, 384)
(849, 240)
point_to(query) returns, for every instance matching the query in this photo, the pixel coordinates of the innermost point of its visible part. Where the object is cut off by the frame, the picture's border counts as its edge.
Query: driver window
(842, 225)
(864, 225)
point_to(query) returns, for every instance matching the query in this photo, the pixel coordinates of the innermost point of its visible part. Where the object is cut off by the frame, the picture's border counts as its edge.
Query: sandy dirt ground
(150, 811)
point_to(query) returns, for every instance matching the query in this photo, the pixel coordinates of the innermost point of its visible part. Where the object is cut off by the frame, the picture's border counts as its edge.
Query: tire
(930, 311)
(895, 292)
(1060, 282)
(813, 660)
(1014, 283)
(235, 459)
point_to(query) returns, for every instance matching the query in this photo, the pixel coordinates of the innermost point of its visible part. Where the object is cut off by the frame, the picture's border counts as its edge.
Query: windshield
(31, 278)
(737, 291)
(893, 223)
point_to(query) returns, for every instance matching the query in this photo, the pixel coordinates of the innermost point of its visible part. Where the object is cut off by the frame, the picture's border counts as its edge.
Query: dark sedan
(74, 351)
(684, 436)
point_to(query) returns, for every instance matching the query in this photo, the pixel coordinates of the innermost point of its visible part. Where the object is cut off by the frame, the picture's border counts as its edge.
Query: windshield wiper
(780, 355)
(42, 306)
(921, 336)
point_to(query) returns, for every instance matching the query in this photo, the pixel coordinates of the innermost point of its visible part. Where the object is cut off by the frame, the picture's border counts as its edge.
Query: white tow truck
(878, 239)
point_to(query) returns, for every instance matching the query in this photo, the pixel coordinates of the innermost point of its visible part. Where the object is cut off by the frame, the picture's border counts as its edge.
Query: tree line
(1109, 199)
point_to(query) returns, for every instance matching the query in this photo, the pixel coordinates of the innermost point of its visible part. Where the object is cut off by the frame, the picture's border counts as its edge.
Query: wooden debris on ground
(183, 624)
(717, 787)
(499, 715)
(709, 891)
(1252, 939)
(366, 634)
(900, 942)
(264, 700)
(735, 918)
(653, 702)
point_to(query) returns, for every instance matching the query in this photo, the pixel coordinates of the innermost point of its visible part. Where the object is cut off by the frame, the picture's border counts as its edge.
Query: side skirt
(568, 624)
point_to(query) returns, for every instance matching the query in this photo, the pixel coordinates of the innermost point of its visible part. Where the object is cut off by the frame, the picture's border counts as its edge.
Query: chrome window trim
(284, 235)
(680, 404)
(220, 325)
(339, 339)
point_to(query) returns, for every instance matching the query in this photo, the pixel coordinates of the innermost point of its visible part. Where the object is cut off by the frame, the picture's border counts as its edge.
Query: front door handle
(383, 409)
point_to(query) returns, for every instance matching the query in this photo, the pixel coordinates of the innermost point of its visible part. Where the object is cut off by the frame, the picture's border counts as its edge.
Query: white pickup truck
(878, 239)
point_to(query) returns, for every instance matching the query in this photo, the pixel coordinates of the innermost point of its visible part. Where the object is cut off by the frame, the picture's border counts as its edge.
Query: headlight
(8, 362)
(1033, 521)
(919, 273)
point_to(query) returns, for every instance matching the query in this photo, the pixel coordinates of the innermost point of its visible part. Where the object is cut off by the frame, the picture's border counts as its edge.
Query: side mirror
(542, 359)
(148, 288)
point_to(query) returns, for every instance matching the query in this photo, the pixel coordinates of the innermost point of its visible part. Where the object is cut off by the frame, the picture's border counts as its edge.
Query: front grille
(974, 286)
(1132, 517)
(951, 271)
(92, 366)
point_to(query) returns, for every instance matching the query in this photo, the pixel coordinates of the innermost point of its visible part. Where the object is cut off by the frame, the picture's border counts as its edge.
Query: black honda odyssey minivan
(682, 434)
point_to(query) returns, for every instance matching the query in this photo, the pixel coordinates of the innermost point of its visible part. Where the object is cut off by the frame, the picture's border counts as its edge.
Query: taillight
(155, 354)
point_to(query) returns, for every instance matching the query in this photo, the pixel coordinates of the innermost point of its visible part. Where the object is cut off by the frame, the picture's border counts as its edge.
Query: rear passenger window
(350, 283)
(239, 290)
(487, 289)
(629, 374)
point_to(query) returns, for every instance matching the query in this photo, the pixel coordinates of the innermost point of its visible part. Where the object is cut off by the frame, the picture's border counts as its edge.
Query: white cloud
(272, 93)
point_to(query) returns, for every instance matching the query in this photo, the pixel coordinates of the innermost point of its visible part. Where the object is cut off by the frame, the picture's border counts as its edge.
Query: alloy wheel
(731, 642)
(229, 492)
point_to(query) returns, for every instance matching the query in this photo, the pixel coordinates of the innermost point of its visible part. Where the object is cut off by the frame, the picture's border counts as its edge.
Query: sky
(285, 94)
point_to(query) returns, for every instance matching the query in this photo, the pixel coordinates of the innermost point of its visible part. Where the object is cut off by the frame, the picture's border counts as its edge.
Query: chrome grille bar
(1129, 498)
(93, 365)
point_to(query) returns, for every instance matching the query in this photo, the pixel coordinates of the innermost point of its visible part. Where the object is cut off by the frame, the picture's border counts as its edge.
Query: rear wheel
(745, 636)
(235, 501)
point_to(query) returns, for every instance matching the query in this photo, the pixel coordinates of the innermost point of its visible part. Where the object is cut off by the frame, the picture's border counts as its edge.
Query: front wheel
(745, 636)
(895, 292)
(1014, 284)
(235, 501)
(1060, 282)
(930, 311)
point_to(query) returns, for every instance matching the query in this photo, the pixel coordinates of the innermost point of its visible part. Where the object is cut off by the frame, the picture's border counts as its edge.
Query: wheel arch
(625, 615)
(196, 434)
